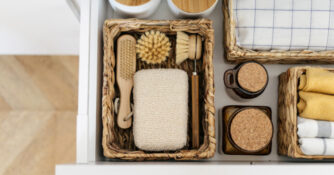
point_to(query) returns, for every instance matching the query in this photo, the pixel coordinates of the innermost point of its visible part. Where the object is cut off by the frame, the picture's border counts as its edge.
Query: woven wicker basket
(287, 112)
(236, 54)
(118, 143)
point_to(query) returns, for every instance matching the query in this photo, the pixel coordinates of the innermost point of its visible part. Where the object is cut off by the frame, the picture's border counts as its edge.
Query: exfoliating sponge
(160, 109)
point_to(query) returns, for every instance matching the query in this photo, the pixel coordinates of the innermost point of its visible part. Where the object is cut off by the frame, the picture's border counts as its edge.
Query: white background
(45, 27)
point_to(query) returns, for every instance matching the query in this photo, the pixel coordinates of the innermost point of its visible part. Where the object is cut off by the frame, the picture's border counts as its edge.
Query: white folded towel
(309, 128)
(284, 24)
(160, 109)
(317, 146)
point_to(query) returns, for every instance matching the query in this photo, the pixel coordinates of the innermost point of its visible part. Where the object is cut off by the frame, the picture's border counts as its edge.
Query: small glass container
(248, 79)
(247, 130)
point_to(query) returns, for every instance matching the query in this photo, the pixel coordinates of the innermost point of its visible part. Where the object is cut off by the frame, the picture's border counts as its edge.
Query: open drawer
(89, 150)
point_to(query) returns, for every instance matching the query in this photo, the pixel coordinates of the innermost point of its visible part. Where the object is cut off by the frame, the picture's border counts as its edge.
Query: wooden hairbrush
(126, 68)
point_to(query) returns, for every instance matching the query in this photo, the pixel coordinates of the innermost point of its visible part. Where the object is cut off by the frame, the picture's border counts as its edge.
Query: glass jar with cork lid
(248, 130)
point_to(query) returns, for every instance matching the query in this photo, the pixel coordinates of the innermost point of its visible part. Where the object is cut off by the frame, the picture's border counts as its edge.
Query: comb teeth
(127, 57)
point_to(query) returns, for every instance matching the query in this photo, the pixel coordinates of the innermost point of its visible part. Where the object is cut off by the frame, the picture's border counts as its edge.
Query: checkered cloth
(284, 24)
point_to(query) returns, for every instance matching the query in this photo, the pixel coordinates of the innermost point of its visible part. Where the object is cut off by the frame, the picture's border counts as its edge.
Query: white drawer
(89, 150)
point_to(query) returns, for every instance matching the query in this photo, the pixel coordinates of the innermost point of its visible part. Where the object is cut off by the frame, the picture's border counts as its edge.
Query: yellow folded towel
(317, 80)
(316, 106)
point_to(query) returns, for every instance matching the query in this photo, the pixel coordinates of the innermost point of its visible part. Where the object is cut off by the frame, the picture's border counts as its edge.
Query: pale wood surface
(38, 107)
(38, 82)
(194, 6)
(132, 2)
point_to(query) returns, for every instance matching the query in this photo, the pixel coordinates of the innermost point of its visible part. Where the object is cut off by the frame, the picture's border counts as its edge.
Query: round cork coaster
(251, 129)
(252, 77)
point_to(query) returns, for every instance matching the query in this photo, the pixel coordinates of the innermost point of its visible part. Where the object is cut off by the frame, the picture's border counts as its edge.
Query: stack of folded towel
(316, 111)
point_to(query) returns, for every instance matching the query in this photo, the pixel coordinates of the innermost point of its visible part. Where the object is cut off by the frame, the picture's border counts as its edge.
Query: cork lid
(132, 2)
(252, 77)
(251, 129)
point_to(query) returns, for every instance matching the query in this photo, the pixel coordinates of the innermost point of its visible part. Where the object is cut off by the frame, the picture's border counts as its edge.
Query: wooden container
(119, 143)
(287, 115)
(236, 54)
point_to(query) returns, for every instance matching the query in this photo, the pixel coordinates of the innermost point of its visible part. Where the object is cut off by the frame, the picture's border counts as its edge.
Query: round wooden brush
(153, 47)
(188, 46)
(191, 47)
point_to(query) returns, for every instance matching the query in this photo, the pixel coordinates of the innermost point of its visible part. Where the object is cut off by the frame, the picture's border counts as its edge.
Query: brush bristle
(127, 57)
(182, 47)
(153, 47)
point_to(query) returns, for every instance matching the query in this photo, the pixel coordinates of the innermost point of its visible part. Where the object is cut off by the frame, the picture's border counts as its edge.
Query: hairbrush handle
(124, 109)
(195, 109)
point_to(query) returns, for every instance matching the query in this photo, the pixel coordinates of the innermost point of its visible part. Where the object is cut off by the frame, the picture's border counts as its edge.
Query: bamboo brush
(188, 47)
(153, 47)
(191, 47)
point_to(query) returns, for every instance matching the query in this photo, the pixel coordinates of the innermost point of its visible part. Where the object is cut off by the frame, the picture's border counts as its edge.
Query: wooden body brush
(188, 47)
(191, 47)
(126, 67)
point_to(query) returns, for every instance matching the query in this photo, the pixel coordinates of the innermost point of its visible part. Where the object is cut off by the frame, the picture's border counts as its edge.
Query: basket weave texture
(119, 143)
(287, 115)
(236, 54)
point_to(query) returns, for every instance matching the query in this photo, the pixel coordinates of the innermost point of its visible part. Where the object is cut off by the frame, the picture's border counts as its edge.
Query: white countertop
(194, 169)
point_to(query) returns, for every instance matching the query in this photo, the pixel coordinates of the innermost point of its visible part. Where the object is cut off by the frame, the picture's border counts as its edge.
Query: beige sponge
(160, 109)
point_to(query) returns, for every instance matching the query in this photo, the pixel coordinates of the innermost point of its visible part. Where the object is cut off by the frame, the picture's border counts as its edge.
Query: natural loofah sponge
(160, 109)
(153, 47)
